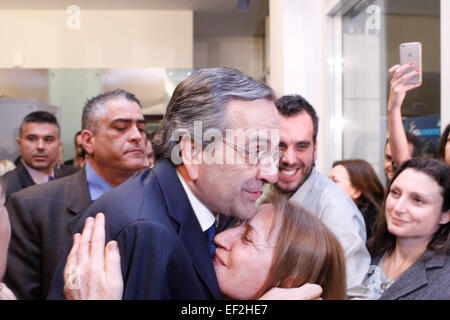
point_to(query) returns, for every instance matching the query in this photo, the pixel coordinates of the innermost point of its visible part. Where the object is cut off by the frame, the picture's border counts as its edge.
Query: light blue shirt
(328, 202)
(97, 186)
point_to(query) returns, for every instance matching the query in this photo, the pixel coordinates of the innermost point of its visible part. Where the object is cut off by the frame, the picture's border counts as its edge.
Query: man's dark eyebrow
(33, 135)
(126, 120)
(303, 143)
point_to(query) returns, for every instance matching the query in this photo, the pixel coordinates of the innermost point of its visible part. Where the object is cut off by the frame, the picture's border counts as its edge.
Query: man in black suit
(39, 143)
(113, 137)
(162, 218)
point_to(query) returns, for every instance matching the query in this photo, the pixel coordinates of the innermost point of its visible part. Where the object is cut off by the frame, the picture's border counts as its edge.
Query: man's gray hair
(203, 97)
(95, 110)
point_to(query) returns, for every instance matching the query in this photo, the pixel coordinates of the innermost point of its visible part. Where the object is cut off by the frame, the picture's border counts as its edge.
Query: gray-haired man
(160, 215)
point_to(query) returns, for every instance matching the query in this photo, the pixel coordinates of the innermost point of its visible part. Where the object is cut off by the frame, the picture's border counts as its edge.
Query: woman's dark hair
(440, 152)
(439, 171)
(363, 177)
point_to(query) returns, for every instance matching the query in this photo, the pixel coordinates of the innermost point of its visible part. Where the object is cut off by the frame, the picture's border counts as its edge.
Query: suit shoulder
(53, 189)
(66, 170)
(123, 204)
(9, 177)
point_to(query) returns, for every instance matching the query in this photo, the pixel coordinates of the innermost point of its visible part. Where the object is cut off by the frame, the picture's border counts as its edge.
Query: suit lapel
(413, 278)
(78, 199)
(24, 177)
(403, 286)
(189, 231)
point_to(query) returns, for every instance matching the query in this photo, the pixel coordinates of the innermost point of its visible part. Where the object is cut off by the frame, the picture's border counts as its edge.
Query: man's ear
(190, 157)
(19, 141)
(88, 141)
(315, 150)
(445, 217)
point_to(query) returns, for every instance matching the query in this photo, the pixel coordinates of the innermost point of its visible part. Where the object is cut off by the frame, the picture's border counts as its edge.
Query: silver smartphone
(412, 52)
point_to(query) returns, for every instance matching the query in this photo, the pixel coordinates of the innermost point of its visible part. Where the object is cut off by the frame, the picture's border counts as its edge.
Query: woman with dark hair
(443, 150)
(358, 179)
(411, 242)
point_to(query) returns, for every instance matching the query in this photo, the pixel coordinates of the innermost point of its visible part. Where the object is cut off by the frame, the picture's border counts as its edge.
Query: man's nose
(135, 134)
(40, 144)
(268, 173)
(288, 156)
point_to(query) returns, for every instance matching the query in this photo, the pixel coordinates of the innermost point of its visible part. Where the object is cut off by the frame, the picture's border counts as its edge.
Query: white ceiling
(208, 5)
(211, 17)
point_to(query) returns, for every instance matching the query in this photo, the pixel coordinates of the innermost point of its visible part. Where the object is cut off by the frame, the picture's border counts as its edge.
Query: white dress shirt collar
(204, 216)
(37, 176)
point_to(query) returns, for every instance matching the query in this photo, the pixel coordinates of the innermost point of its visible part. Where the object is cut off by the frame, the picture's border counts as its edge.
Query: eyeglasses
(263, 158)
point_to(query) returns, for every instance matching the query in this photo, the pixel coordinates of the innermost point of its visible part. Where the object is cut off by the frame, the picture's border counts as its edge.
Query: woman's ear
(445, 217)
(356, 194)
(189, 156)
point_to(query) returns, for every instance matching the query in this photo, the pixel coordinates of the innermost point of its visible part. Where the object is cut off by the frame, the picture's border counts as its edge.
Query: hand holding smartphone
(412, 52)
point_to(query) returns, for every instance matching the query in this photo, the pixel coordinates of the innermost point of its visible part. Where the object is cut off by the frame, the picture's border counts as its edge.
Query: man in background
(80, 154)
(298, 178)
(113, 137)
(39, 144)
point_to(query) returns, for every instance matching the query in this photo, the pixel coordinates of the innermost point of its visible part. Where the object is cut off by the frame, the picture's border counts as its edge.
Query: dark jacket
(164, 253)
(39, 216)
(19, 178)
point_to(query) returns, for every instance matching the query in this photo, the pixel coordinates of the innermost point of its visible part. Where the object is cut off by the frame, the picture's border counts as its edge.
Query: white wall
(106, 39)
(242, 53)
(445, 63)
(296, 56)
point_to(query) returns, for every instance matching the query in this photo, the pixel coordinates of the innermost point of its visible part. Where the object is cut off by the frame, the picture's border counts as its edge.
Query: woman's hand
(307, 291)
(93, 271)
(5, 293)
(399, 85)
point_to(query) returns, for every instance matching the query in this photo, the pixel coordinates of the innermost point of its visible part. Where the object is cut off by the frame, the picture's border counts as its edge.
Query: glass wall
(371, 33)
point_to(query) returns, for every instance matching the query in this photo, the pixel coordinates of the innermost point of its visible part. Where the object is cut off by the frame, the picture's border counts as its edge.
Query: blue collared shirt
(97, 185)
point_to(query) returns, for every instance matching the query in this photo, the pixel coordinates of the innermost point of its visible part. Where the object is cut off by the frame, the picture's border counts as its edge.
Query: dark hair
(40, 117)
(149, 135)
(91, 114)
(414, 141)
(363, 177)
(440, 152)
(75, 137)
(306, 251)
(290, 105)
(203, 96)
(439, 171)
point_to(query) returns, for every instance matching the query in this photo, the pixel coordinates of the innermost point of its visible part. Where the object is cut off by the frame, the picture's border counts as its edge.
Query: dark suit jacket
(39, 216)
(164, 252)
(19, 178)
(424, 280)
